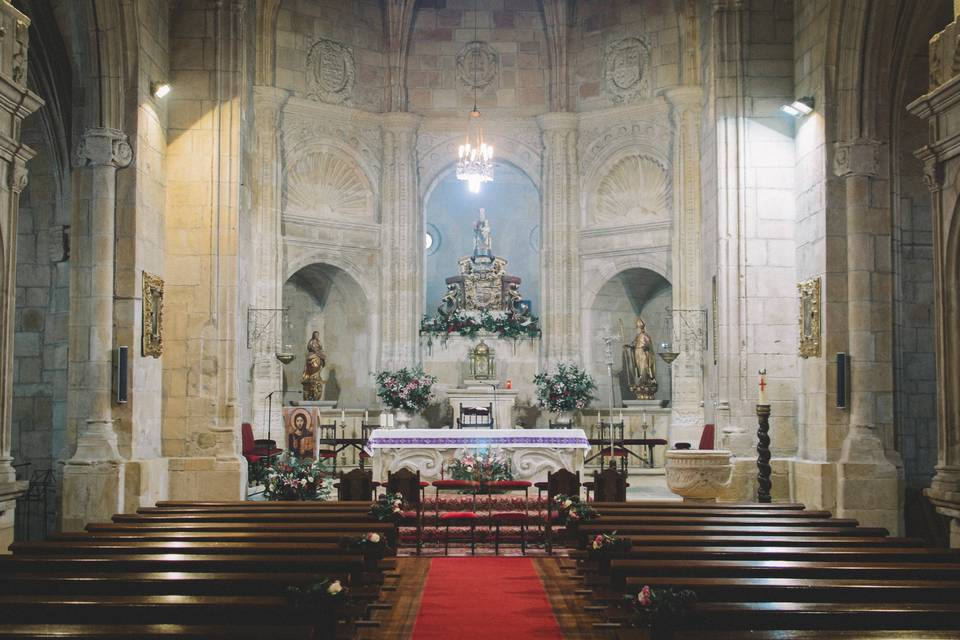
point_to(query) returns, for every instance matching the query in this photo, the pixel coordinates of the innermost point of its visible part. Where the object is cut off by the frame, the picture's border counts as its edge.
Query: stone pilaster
(941, 158)
(869, 485)
(559, 258)
(93, 477)
(402, 233)
(688, 321)
(16, 103)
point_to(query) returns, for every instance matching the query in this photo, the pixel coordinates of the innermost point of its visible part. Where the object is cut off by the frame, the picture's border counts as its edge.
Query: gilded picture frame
(151, 340)
(809, 318)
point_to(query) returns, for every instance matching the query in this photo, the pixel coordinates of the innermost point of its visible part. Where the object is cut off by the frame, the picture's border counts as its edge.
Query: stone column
(687, 393)
(868, 483)
(559, 257)
(93, 477)
(402, 233)
(17, 103)
(941, 157)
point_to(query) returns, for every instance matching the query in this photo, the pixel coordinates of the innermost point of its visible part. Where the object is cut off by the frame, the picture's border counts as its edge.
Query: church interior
(624, 319)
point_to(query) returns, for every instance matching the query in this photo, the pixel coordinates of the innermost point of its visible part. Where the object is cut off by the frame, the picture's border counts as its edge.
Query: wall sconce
(160, 89)
(799, 107)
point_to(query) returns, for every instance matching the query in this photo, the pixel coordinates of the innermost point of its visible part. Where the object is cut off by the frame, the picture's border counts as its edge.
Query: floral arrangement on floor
(408, 389)
(656, 609)
(483, 465)
(322, 595)
(569, 389)
(470, 323)
(388, 507)
(288, 477)
(572, 510)
(609, 545)
(371, 544)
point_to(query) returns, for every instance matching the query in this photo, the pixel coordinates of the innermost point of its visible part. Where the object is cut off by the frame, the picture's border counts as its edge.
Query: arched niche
(324, 298)
(512, 205)
(622, 298)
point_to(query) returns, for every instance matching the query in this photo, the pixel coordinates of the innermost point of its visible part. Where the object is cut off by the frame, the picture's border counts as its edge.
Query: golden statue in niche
(313, 369)
(640, 363)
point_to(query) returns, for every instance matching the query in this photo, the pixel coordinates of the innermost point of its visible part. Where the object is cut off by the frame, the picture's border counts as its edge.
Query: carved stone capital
(17, 177)
(684, 98)
(860, 157)
(558, 121)
(103, 146)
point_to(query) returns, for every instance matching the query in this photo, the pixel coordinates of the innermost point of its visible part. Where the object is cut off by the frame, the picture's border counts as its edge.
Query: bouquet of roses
(388, 507)
(609, 545)
(572, 510)
(322, 595)
(484, 465)
(569, 389)
(406, 389)
(290, 478)
(656, 609)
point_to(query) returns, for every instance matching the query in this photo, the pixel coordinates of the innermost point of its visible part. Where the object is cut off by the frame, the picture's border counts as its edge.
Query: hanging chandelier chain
(475, 157)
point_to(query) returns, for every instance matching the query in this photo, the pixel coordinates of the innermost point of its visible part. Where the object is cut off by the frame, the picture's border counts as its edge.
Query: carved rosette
(625, 69)
(698, 475)
(331, 72)
(478, 65)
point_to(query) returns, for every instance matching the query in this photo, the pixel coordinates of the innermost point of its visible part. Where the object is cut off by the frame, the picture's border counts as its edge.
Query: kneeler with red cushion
(463, 519)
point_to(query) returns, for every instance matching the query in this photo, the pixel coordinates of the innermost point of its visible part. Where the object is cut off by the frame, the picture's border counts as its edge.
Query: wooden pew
(857, 552)
(137, 631)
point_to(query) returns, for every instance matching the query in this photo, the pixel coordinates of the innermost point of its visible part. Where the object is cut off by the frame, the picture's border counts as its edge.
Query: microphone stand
(493, 423)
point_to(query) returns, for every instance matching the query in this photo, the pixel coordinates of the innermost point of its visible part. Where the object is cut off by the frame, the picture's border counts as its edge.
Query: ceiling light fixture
(475, 157)
(799, 107)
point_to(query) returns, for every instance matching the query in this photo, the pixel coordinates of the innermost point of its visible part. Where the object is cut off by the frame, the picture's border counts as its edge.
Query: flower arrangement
(483, 465)
(609, 545)
(388, 507)
(406, 389)
(572, 510)
(288, 477)
(321, 595)
(655, 609)
(569, 389)
(470, 323)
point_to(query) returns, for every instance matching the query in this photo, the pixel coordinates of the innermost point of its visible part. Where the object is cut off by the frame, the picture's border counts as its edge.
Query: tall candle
(621, 415)
(365, 418)
(343, 415)
(762, 395)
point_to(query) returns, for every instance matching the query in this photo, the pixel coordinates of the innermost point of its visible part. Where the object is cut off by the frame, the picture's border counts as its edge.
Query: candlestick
(343, 416)
(763, 453)
(762, 395)
(365, 418)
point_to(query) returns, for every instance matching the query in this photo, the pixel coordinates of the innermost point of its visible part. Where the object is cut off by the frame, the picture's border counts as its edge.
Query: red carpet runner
(483, 598)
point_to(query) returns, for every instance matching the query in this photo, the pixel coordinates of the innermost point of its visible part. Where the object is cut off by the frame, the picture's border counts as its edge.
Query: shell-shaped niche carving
(635, 190)
(327, 185)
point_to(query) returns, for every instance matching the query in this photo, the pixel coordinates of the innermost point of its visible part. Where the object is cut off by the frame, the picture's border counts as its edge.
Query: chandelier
(475, 157)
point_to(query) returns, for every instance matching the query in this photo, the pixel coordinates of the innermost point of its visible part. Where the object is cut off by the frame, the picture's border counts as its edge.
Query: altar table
(531, 452)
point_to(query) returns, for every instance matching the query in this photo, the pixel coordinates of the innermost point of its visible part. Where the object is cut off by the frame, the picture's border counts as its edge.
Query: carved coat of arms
(625, 65)
(477, 64)
(330, 72)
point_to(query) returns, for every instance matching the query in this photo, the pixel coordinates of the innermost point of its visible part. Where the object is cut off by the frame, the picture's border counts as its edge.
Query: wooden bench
(137, 631)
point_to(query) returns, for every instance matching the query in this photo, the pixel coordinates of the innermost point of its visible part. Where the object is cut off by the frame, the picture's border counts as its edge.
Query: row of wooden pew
(777, 570)
(198, 570)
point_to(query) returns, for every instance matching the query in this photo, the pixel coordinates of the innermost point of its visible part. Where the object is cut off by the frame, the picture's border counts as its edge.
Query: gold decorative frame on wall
(809, 318)
(151, 341)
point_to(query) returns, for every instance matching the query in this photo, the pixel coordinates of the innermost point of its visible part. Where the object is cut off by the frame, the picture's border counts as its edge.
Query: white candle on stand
(365, 419)
(762, 395)
(343, 415)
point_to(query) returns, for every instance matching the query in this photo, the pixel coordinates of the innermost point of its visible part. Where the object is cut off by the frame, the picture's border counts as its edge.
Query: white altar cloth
(531, 452)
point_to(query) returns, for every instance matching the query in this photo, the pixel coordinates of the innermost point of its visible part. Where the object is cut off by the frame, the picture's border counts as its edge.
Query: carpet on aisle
(482, 598)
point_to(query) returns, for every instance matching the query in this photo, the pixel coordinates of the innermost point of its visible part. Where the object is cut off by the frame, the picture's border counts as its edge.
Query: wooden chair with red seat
(560, 482)
(618, 449)
(609, 485)
(327, 443)
(407, 484)
(510, 519)
(356, 485)
(256, 450)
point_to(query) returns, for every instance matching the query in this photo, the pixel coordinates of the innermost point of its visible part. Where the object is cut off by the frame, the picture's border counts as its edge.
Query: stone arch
(438, 159)
(324, 297)
(298, 260)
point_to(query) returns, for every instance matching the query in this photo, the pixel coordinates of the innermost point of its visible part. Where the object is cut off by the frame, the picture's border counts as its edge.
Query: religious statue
(316, 361)
(640, 363)
(481, 237)
(515, 305)
(450, 301)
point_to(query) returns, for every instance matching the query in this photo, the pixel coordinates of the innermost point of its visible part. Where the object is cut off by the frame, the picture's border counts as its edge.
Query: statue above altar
(483, 297)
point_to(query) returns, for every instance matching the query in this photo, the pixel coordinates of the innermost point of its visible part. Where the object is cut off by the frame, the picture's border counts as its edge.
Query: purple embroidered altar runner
(477, 438)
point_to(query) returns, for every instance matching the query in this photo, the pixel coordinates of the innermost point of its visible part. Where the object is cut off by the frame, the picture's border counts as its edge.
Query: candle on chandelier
(762, 395)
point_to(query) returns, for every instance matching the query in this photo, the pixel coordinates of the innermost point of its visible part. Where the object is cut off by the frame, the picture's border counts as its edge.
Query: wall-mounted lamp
(798, 108)
(159, 89)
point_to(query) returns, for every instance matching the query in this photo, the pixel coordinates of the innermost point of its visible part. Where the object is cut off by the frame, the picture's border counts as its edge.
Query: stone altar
(531, 452)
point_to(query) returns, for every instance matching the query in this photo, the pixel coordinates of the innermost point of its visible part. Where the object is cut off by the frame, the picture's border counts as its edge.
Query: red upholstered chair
(407, 484)
(453, 485)
(510, 519)
(706, 438)
(256, 450)
(462, 519)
